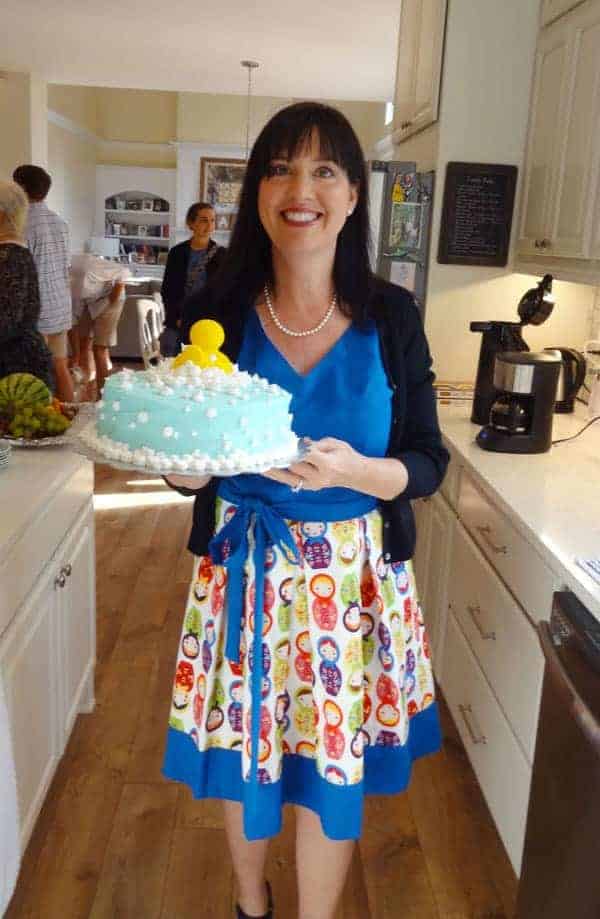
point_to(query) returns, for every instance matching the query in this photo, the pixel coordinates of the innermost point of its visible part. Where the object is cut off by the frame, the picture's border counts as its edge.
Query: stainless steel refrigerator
(401, 205)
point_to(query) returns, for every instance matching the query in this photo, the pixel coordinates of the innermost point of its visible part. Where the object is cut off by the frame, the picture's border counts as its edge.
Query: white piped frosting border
(197, 463)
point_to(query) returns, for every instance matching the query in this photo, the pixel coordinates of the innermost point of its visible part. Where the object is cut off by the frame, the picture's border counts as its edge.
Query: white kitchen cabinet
(500, 636)
(28, 657)
(441, 530)
(419, 67)
(75, 621)
(47, 613)
(560, 210)
(499, 764)
(552, 9)
(422, 512)
(545, 141)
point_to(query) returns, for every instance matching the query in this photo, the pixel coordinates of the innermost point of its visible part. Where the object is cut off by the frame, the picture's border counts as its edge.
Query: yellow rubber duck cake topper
(206, 338)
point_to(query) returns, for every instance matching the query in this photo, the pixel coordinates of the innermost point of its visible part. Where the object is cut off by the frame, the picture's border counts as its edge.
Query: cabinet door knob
(485, 533)
(545, 243)
(61, 580)
(67, 570)
(466, 711)
(537, 243)
(473, 612)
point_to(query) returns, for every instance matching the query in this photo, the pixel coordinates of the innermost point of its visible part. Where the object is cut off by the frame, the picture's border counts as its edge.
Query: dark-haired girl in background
(190, 265)
(321, 691)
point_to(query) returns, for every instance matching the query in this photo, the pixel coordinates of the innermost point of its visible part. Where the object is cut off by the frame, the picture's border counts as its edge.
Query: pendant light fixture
(250, 66)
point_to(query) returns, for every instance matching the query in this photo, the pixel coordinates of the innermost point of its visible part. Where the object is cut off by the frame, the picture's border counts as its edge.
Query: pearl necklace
(287, 331)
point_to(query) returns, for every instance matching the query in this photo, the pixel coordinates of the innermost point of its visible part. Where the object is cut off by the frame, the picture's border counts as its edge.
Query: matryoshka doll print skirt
(346, 687)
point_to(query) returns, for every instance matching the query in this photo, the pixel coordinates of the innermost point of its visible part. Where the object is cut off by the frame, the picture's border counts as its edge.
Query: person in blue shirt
(327, 713)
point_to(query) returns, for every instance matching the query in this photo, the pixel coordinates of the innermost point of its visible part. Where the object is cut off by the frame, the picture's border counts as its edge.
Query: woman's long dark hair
(248, 264)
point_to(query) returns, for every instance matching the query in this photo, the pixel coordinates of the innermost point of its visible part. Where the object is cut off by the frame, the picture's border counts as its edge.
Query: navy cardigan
(175, 276)
(415, 436)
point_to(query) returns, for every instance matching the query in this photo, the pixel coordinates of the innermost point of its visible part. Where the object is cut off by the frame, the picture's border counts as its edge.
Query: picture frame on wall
(221, 181)
(222, 221)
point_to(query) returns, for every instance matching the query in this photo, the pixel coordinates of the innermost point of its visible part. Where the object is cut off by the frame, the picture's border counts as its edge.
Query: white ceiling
(337, 49)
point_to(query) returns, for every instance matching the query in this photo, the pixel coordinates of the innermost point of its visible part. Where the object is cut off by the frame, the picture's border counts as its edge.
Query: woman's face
(304, 202)
(203, 224)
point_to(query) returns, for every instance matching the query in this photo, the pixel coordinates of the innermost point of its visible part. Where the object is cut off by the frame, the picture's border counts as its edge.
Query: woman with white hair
(22, 347)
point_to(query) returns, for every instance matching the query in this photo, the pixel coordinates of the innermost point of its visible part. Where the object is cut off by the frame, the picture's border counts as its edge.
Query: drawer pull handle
(67, 570)
(61, 580)
(465, 711)
(485, 532)
(473, 613)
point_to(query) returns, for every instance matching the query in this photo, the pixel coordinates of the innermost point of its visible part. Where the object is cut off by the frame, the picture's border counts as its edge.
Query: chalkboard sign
(477, 214)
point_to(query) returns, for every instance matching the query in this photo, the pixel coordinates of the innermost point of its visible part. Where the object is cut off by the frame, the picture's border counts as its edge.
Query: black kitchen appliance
(559, 874)
(570, 379)
(534, 308)
(521, 416)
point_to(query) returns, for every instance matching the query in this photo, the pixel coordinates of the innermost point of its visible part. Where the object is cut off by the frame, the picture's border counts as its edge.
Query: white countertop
(552, 498)
(32, 476)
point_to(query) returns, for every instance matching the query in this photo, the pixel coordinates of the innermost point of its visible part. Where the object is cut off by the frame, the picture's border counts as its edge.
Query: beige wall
(221, 119)
(132, 154)
(206, 118)
(23, 132)
(77, 103)
(367, 119)
(139, 115)
(72, 165)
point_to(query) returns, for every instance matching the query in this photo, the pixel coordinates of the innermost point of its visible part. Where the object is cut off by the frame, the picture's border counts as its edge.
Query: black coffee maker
(534, 308)
(522, 412)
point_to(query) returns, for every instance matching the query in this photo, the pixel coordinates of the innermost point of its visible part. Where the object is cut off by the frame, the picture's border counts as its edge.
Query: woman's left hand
(327, 463)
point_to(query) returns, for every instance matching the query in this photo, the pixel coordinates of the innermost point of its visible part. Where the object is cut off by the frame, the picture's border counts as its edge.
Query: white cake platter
(85, 412)
(88, 444)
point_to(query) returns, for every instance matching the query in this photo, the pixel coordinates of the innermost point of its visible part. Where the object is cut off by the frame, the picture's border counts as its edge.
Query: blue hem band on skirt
(217, 773)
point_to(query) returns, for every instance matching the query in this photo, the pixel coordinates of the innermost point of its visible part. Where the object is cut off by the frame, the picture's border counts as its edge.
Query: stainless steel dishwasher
(560, 875)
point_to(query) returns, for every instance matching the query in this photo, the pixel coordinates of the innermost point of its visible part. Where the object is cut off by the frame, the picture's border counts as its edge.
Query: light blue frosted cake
(192, 419)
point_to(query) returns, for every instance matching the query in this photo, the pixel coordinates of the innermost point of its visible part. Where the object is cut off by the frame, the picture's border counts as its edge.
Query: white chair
(149, 329)
(157, 297)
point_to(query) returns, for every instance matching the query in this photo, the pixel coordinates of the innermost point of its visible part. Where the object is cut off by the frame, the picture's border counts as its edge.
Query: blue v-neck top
(346, 395)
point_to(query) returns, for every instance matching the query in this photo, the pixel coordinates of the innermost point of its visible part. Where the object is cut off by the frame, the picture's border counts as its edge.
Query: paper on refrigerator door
(403, 273)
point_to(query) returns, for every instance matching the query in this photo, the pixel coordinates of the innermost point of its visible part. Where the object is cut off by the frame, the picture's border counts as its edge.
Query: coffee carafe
(534, 308)
(521, 415)
(570, 379)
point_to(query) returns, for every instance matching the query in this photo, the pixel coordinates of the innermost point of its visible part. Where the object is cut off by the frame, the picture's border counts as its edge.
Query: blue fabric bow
(230, 548)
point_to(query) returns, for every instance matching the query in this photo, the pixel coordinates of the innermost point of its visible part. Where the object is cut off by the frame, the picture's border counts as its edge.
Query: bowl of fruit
(30, 416)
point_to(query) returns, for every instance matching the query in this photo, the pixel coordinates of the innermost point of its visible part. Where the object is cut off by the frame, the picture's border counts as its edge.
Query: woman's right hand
(193, 482)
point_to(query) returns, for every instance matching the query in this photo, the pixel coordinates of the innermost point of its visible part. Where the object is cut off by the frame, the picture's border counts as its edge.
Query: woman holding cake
(314, 684)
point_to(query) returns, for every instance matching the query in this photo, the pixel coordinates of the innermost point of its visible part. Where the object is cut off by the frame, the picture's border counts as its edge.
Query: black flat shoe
(269, 913)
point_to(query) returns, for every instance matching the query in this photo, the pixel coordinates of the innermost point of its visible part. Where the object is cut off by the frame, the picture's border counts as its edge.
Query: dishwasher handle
(561, 680)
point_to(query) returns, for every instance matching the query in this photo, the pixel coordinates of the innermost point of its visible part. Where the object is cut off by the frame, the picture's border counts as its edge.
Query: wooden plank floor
(116, 840)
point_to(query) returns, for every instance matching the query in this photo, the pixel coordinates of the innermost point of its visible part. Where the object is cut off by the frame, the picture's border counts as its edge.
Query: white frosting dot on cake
(132, 424)
(187, 409)
(143, 417)
(211, 413)
(199, 397)
(102, 416)
(194, 433)
(168, 431)
(116, 406)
